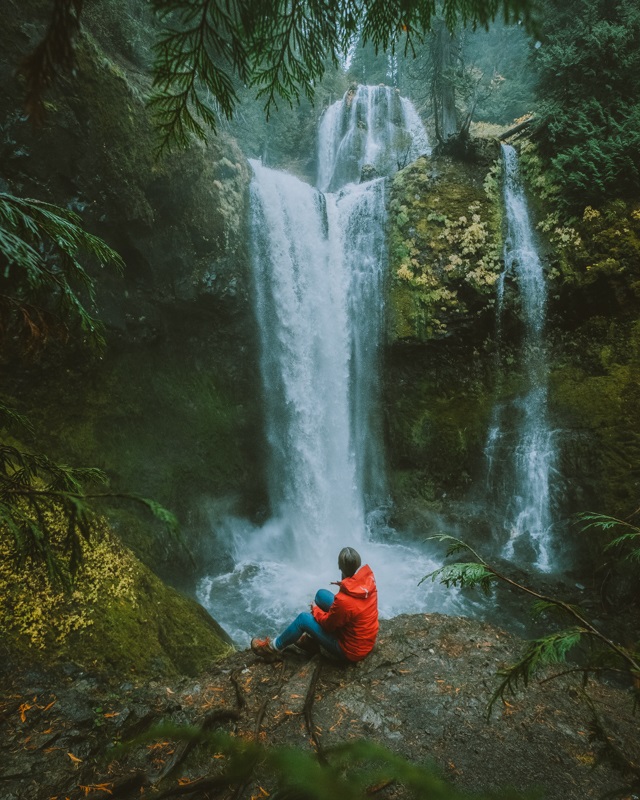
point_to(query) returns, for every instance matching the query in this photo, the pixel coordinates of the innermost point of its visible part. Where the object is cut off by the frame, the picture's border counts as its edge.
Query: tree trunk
(444, 53)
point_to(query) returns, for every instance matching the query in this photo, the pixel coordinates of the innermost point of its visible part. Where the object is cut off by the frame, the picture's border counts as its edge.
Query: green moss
(161, 633)
(438, 402)
(445, 247)
(118, 620)
(595, 400)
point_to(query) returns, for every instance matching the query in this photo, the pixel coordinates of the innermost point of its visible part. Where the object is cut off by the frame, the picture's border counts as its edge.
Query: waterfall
(520, 451)
(303, 309)
(372, 126)
(319, 261)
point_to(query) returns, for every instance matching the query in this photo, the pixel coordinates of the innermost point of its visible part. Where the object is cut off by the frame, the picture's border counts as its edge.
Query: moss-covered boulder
(445, 247)
(445, 243)
(117, 619)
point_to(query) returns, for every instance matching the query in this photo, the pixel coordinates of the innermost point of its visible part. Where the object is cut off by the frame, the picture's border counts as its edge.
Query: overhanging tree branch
(280, 47)
(551, 649)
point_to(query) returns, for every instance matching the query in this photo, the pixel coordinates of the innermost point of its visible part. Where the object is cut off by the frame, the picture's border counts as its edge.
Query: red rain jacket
(353, 616)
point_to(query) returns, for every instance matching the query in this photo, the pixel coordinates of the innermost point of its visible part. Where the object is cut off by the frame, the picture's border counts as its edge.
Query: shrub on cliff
(589, 89)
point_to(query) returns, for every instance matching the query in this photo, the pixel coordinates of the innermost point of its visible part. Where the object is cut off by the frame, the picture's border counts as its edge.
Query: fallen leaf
(96, 787)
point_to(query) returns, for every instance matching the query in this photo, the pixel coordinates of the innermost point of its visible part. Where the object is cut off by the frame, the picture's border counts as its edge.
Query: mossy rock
(438, 401)
(595, 402)
(118, 619)
(445, 247)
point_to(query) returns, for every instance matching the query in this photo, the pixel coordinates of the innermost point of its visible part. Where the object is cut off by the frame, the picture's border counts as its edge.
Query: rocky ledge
(422, 694)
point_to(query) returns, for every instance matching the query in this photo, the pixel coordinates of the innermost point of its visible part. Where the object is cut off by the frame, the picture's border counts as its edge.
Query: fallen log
(516, 129)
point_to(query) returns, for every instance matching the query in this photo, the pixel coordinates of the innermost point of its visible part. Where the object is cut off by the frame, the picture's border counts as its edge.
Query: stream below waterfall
(319, 261)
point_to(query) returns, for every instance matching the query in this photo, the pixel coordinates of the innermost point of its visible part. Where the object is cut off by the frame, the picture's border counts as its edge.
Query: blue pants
(305, 623)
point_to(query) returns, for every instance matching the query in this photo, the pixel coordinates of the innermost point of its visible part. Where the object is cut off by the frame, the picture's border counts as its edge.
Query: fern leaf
(552, 649)
(455, 545)
(467, 575)
(541, 607)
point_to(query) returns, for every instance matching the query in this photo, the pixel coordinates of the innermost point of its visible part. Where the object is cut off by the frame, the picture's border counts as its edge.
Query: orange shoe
(265, 649)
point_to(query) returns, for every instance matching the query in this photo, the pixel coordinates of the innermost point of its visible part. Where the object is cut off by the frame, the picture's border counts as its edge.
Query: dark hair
(349, 561)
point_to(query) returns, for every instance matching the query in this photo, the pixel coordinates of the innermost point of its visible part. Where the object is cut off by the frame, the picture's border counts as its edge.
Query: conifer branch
(291, 49)
(41, 277)
(279, 47)
(185, 65)
(551, 649)
(53, 54)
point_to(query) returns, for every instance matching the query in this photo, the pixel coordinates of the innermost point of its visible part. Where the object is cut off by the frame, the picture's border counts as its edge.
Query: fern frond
(602, 521)
(454, 545)
(467, 575)
(159, 512)
(10, 415)
(540, 607)
(630, 537)
(540, 653)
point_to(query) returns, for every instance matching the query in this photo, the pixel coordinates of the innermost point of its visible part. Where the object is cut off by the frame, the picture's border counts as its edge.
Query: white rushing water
(520, 449)
(319, 263)
(372, 126)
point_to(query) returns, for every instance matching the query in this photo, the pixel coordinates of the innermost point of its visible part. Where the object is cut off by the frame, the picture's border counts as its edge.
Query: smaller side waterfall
(519, 451)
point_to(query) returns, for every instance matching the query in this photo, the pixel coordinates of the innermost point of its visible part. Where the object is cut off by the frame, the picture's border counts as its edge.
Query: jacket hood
(362, 584)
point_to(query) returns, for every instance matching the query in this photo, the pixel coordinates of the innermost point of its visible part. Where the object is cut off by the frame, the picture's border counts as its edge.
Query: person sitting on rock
(344, 624)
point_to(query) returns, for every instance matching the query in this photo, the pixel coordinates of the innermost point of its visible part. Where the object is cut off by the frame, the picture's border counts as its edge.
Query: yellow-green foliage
(602, 243)
(610, 240)
(536, 174)
(445, 246)
(31, 607)
(118, 618)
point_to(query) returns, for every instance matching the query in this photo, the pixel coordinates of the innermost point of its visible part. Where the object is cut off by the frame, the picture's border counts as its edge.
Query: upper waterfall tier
(370, 126)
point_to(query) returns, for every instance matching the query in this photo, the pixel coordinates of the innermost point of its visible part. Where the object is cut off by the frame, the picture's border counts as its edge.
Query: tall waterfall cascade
(319, 261)
(520, 449)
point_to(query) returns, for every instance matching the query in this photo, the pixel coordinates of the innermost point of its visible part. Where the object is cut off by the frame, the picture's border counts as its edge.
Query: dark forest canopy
(589, 95)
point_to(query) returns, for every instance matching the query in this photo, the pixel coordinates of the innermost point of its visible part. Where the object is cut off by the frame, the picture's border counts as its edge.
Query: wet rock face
(444, 372)
(422, 694)
(445, 245)
(179, 220)
(445, 248)
(168, 408)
